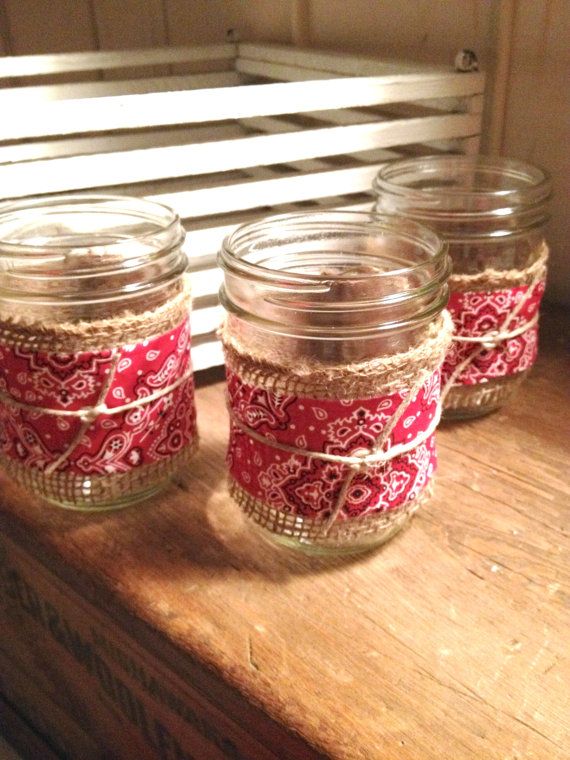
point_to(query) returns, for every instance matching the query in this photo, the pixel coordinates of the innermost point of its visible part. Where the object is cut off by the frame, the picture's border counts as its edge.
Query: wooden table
(452, 641)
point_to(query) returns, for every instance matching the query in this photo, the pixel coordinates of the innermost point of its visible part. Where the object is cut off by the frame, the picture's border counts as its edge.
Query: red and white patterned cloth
(113, 443)
(300, 485)
(477, 313)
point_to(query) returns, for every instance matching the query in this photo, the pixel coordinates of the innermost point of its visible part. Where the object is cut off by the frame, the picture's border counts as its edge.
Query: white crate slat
(207, 300)
(472, 104)
(207, 354)
(276, 125)
(33, 151)
(272, 71)
(284, 123)
(99, 170)
(268, 172)
(340, 63)
(206, 320)
(166, 108)
(221, 151)
(203, 241)
(285, 65)
(252, 194)
(295, 73)
(205, 282)
(46, 93)
(78, 146)
(279, 71)
(65, 63)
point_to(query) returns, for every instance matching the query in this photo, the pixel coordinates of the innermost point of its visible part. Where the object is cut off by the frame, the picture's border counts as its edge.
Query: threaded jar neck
(476, 197)
(334, 274)
(87, 249)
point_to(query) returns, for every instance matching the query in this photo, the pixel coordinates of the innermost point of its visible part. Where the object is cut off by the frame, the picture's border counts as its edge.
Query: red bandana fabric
(297, 484)
(113, 443)
(477, 313)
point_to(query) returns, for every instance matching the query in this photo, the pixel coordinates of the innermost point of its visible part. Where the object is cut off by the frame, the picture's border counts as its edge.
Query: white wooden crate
(249, 130)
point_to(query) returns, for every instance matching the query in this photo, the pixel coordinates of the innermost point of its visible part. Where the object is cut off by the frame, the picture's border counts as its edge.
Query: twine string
(52, 335)
(491, 339)
(90, 413)
(376, 449)
(361, 459)
(494, 338)
(356, 459)
(86, 420)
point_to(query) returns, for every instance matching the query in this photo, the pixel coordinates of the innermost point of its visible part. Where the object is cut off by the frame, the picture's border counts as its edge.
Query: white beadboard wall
(536, 126)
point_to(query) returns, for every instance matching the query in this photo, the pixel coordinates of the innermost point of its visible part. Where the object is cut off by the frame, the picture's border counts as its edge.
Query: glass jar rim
(62, 248)
(137, 208)
(348, 220)
(350, 284)
(535, 181)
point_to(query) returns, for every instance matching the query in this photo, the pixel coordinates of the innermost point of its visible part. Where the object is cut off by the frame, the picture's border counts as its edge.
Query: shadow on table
(191, 532)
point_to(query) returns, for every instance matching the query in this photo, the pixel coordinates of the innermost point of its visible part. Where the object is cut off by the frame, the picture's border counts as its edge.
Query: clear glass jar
(96, 387)
(333, 340)
(492, 212)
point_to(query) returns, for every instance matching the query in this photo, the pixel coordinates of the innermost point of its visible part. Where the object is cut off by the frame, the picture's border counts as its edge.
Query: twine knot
(363, 465)
(89, 416)
(492, 340)
(491, 279)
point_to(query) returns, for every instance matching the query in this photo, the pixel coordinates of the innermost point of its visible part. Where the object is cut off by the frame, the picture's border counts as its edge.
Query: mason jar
(334, 336)
(96, 387)
(492, 212)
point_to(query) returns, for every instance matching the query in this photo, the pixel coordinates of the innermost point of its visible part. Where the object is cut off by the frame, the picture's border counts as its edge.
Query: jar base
(99, 493)
(351, 536)
(464, 402)
(313, 549)
(110, 506)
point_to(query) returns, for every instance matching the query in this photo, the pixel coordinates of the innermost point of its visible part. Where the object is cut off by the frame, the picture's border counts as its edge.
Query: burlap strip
(491, 281)
(381, 376)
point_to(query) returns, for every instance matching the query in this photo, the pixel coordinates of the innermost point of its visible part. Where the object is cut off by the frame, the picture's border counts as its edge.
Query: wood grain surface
(452, 641)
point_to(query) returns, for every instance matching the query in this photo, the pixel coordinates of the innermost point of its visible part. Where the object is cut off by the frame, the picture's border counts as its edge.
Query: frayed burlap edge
(494, 279)
(313, 379)
(350, 531)
(104, 491)
(71, 337)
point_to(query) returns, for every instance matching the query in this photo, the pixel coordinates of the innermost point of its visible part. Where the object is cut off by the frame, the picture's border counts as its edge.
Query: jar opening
(86, 224)
(313, 248)
(86, 247)
(334, 269)
(470, 185)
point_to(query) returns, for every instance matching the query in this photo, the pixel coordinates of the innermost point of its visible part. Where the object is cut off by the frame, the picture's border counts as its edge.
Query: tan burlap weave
(313, 379)
(99, 492)
(70, 337)
(94, 491)
(491, 280)
(356, 532)
(380, 376)
(496, 279)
